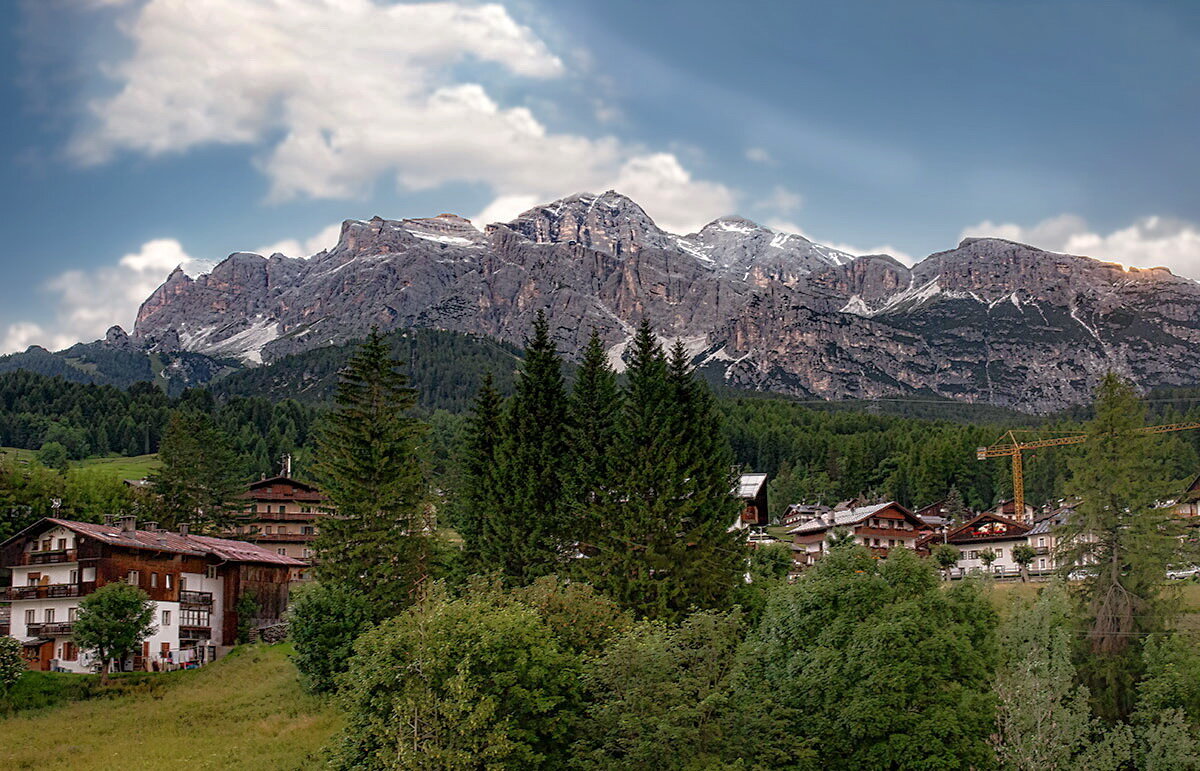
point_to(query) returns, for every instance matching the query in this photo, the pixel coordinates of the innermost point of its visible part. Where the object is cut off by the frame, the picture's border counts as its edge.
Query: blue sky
(145, 133)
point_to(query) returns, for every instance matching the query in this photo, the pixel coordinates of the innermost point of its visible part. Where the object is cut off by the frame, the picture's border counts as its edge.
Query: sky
(144, 134)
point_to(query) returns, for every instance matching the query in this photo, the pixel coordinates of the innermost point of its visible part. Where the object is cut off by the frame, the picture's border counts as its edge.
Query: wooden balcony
(195, 632)
(200, 599)
(49, 629)
(49, 591)
(48, 557)
(280, 537)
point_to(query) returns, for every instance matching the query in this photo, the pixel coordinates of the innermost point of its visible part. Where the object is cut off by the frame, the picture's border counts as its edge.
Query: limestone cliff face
(988, 321)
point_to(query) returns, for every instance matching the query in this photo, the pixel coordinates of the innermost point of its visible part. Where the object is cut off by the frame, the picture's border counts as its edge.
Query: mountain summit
(989, 321)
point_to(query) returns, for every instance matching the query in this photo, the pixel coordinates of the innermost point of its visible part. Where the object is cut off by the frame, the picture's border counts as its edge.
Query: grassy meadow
(135, 467)
(246, 711)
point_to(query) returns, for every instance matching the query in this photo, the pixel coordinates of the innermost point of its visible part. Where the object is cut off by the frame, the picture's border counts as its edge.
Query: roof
(284, 480)
(162, 540)
(749, 485)
(847, 517)
(1021, 529)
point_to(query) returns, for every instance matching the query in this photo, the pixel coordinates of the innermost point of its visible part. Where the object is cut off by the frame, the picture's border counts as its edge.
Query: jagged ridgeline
(988, 321)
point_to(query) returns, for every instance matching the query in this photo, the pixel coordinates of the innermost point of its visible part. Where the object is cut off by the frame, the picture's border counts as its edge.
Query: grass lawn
(244, 712)
(135, 467)
(1002, 592)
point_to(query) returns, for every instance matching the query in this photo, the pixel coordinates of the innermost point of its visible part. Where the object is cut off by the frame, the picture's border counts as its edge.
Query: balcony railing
(48, 557)
(195, 632)
(45, 591)
(196, 598)
(49, 629)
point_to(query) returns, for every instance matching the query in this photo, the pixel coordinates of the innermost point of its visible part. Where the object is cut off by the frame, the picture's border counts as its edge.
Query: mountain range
(989, 321)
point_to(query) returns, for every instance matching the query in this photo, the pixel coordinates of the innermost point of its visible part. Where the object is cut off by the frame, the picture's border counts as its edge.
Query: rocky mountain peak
(609, 222)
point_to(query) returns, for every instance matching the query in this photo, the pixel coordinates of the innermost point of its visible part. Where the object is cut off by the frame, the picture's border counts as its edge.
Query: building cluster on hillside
(194, 581)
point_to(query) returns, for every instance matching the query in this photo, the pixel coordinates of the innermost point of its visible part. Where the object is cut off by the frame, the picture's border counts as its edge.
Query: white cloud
(88, 302)
(337, 93)
(326, 238)
(1149, 242)
(504, 209)
(781, 200)
(757, 155)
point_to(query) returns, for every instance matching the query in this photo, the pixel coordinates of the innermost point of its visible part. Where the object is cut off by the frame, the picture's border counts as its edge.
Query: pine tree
(659, 536)
(1124, 540)
(378, 541)
(594, 407)
(529, 534)
(199, 477)
(479, 496)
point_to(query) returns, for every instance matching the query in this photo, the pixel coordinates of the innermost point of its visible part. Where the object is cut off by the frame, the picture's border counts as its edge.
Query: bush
(324, 621)
(466, 683)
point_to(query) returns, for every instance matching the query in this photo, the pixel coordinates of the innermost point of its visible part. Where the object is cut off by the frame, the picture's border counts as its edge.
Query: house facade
(988, 532)
(879, 527)
(751, 490)
(194, 582)
(282, 515)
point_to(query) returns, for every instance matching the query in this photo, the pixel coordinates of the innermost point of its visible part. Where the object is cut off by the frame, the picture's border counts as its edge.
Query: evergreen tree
(529, 534)
(594, 409)
(658, 537)
(479, 494)
(1124, 540)
(378, 541)
(199, 476)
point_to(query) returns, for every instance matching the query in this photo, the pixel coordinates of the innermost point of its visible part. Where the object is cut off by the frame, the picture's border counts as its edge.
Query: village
(195, 580)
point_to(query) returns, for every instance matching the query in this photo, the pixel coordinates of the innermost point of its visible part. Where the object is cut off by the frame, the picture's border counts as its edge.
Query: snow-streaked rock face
(988, 321)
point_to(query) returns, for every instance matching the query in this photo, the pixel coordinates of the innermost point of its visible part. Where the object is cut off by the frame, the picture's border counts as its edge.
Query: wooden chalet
(879, 527)
(752, 491)
(283, 515)
(194, 581)
(989, 532)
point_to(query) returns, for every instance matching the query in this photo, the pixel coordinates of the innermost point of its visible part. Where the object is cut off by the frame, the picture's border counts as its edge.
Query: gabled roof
(284, 480)
(1015, 529)
(851, 517)
(749, 485)
(161, 540)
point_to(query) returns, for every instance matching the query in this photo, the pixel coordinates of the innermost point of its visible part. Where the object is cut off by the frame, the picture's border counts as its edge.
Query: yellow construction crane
(1010, 445)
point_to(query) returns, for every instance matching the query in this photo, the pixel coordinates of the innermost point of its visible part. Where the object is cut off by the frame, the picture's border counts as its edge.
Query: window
(154, 580)
(282, 551)
(62, 544)
(46, 545)
(169, 579)
(33, 579)
(282, 530)
(69, 652)
(72, 613)
(193, 617)
(166, 618)
(182, 583)
(306, 510)
(210, 571)
(308, 554)
(49, 615)
(1041, 541)
(31, 616)
(133, 579)
(74, 579)
(269, 528)
(308, 530)
(254, 508)
(1042, 564)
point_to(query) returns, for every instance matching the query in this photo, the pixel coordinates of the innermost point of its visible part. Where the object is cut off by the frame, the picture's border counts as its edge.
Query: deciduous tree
(112, 623)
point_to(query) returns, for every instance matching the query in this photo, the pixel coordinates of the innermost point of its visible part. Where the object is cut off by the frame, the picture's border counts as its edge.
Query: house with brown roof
(283, 515)
(989, 532)
(879, 527)
(194, 581)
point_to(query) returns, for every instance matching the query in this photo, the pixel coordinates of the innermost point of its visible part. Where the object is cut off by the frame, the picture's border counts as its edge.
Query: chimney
(183, 528)
(151, 526)
(128, 523)
(287, 465)
(110, 520)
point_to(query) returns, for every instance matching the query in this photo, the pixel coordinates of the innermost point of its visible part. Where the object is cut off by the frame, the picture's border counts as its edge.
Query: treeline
(600, 615)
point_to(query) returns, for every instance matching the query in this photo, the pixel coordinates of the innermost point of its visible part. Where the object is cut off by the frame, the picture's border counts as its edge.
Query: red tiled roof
(195, 545)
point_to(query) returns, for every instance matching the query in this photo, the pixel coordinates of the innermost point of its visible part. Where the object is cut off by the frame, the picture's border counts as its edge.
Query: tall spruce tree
(198, 479)
(1124, 540)
(480, 495)
(528, 534)
(658, 535)
(594, 410)
(378, 542)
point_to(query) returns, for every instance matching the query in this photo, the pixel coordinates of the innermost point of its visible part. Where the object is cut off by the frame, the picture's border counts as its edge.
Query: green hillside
(246, 711)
